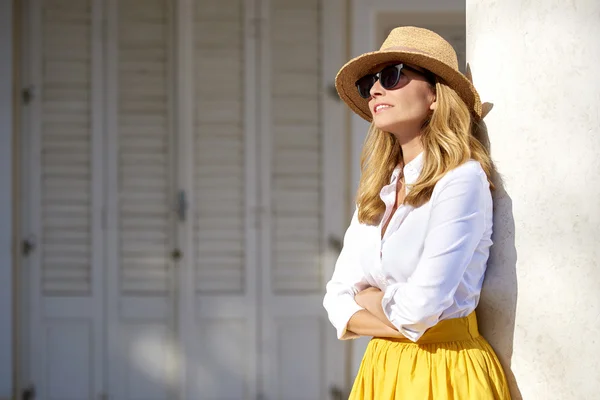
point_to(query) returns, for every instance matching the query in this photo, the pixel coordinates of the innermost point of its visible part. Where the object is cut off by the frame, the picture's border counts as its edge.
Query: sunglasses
(388, 77)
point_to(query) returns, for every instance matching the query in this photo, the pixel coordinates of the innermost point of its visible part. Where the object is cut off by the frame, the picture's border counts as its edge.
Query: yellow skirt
(450, 361)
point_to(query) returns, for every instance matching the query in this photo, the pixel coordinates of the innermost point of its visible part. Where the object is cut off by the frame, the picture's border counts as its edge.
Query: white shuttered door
(294, 325)
(221, 355)
(178, 166)
(63, 149)
(141, 300)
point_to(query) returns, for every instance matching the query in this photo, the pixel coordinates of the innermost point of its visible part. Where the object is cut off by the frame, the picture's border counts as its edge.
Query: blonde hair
(449, 139)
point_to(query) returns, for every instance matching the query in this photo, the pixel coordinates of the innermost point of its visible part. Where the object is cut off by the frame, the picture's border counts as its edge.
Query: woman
(414, 257)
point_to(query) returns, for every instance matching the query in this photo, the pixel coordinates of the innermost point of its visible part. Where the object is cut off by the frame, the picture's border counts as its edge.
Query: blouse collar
(411, 171)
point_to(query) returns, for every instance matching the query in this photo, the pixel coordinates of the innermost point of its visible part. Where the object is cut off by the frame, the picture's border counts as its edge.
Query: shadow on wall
(498, 304)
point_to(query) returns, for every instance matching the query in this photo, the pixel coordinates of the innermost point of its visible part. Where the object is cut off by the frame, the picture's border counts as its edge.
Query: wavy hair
(449, 138)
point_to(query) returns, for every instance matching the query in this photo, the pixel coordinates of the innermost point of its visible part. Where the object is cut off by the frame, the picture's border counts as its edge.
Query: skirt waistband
(448, 330)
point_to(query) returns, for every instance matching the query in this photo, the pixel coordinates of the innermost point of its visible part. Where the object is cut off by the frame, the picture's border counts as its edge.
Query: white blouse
(431, 262)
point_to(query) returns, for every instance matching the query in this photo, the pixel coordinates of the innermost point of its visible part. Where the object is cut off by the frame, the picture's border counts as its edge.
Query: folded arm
(456, 226)
(370, 299)
(348, 279)
(364, 323)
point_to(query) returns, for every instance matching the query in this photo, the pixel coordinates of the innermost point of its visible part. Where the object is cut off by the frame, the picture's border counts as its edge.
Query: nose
(376, 89)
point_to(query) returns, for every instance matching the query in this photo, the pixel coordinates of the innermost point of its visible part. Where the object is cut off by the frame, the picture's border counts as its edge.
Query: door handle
(176, 254)
(182, 205)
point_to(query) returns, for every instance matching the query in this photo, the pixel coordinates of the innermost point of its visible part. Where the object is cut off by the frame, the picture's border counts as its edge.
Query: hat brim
(345, 81)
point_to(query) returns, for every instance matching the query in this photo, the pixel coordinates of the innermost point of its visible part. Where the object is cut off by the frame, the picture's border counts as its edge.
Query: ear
(433, 104)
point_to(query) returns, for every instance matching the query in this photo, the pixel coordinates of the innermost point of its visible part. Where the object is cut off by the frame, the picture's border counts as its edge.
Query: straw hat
(412, 45)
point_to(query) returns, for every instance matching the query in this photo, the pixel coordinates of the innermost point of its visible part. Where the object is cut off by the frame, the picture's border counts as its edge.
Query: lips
(381, 107)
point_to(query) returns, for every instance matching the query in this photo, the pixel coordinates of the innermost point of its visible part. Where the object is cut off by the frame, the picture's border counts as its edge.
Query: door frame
(336, 144)
(9, 205)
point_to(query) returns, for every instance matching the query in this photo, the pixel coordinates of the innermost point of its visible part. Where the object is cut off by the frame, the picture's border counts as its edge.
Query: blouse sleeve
(347, 280)
(456, 226)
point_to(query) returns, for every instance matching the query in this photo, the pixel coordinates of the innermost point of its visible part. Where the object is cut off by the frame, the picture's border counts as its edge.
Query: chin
(393, 125)
(387, 124)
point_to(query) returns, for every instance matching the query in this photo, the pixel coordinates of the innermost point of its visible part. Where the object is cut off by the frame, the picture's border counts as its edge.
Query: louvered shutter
(144, 146)
(293, 317)
(66, 148)
(140, 304)
(296, 171)
(219, 223)
(63, 140)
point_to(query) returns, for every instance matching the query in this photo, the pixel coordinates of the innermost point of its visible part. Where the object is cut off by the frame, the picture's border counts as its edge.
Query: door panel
(222, 356)
(293, 193)
(144, 139)
(219, 147)
(63, 273)
(141, 198)
(221, 360)
(69, 353)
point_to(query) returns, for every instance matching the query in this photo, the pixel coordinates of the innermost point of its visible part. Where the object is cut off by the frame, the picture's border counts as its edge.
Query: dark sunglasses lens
(389, 77)
(364, 85)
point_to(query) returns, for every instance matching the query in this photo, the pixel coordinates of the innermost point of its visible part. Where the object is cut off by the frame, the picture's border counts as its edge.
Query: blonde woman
(414, 257)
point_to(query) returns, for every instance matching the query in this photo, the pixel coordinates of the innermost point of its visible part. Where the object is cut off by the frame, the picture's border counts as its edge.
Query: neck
(409, 138)
(411, 149)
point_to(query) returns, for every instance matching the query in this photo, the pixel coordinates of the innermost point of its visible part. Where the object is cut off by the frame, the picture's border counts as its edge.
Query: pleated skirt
(451, 361)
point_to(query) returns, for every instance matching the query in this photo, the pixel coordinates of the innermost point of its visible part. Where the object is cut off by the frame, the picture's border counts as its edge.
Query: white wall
(537, 61)
(6, 133)
(364, 34)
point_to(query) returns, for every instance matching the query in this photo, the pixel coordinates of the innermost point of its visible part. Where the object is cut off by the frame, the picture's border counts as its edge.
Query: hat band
(406, 48)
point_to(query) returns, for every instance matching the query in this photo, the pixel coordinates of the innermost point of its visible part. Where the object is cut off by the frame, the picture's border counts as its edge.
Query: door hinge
(27, 95)
(27, 246)
(335, 393)
(28, 393)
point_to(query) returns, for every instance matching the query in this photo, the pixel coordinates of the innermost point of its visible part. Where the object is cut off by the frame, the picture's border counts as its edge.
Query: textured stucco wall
(6, 110)
(538, 62)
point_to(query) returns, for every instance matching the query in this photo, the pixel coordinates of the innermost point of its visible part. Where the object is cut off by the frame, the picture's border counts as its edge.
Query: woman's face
(403, 109)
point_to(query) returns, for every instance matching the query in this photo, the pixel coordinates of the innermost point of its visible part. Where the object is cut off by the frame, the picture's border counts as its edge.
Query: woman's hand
(370, 299)
(364, 323)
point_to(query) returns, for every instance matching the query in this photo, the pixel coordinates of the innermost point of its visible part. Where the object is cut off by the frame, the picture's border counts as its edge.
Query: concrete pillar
(538, 62)
(6, 191)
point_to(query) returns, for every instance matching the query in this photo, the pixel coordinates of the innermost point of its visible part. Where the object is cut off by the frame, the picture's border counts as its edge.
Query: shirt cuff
(343, 315)
(387, 302)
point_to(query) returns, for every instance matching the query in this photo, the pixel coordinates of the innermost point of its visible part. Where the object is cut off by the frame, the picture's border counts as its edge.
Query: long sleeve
(456, 226)
(347, 280)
